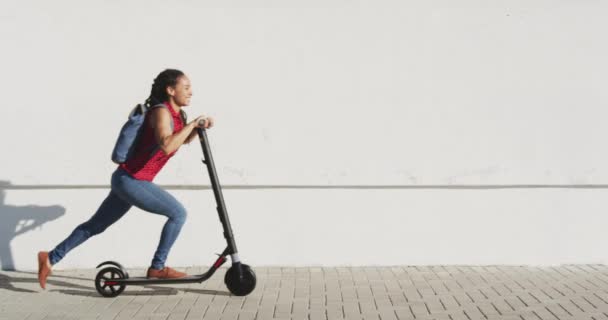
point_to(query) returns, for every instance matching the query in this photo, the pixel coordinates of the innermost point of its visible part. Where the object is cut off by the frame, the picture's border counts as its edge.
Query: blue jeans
(126, 192)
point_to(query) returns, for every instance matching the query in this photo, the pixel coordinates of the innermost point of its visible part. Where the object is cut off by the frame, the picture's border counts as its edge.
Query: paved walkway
(437, 292)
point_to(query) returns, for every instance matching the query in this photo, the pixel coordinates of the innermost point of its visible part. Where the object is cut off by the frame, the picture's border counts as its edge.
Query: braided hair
(167, 78)
(158, 94)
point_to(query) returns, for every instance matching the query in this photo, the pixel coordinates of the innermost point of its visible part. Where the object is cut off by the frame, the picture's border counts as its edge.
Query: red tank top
(148, 158)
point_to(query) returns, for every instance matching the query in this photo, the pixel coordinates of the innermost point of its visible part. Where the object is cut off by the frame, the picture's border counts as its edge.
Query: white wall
(359, 94)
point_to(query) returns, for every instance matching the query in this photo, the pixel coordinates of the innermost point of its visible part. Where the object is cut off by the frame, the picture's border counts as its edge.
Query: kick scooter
(240, 278)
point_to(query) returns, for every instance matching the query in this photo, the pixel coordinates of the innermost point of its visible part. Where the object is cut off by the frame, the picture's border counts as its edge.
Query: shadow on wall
(18, 220)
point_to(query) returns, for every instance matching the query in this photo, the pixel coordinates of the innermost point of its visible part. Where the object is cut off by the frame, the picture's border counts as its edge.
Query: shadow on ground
(8, 282)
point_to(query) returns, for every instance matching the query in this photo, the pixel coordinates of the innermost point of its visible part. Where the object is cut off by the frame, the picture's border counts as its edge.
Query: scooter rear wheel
(240, 279)
(104, 282)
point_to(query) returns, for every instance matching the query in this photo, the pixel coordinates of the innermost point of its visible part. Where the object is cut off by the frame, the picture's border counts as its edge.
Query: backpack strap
(164, 106)
(184, 116)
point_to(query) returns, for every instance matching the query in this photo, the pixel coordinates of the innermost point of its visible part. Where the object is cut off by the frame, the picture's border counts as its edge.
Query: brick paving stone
(599, 316)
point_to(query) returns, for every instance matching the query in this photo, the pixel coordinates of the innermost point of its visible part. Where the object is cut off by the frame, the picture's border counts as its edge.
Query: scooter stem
(217, 191)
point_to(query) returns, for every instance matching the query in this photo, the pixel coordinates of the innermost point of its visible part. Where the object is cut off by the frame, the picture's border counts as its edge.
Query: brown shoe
(165, 273)
(44, 269)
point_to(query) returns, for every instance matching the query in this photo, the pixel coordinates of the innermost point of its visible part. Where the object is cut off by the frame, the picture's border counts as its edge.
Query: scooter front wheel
(105, 282)
(240, 279)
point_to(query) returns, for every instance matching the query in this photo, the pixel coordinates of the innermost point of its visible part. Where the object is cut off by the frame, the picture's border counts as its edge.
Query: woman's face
(182, 92)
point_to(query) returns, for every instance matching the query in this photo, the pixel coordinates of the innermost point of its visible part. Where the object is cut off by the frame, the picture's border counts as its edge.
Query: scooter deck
(145, 280)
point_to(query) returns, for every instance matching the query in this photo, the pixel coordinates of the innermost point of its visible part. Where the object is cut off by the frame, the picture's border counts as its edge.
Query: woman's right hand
(200, 122)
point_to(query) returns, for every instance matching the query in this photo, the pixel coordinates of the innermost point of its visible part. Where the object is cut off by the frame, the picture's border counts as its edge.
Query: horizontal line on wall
(208, 187)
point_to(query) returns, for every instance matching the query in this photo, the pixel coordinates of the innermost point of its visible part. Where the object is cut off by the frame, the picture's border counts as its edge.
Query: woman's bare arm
(160, 121)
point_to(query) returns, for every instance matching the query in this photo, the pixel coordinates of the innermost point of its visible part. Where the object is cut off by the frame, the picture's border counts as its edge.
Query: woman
(132, 181)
